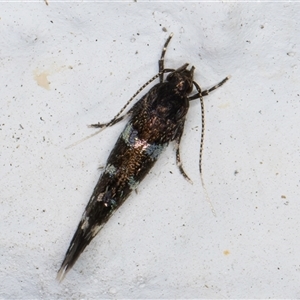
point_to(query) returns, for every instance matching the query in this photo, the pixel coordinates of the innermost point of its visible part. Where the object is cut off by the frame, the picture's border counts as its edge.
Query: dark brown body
(154, 121)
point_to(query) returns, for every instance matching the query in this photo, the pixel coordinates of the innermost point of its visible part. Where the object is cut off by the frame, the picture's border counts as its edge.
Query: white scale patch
(111, 170)
(133, 184)
(130, 136)
(85, 224)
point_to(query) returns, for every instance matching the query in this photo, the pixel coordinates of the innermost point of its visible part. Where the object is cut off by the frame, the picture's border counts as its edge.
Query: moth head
(182, 78)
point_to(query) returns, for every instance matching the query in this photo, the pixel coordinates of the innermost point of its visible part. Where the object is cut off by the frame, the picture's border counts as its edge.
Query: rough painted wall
(66, 65)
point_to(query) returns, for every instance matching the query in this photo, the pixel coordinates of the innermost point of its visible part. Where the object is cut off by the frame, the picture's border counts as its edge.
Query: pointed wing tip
(62, 272)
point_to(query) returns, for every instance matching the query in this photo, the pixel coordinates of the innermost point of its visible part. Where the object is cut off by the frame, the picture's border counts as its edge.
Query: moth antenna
(200, 157)
(207, 198)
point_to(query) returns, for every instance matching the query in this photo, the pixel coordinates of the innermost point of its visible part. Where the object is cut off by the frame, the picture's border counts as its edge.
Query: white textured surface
(164, 242)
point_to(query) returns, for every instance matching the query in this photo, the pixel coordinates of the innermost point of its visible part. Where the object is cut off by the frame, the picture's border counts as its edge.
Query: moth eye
(190, 87)
(170, 76)
(185, 86)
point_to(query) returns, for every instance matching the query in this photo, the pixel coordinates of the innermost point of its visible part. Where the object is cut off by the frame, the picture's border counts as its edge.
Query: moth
(154, 121)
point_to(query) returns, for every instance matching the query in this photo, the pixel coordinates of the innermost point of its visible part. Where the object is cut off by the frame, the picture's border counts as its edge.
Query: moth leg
(119, 118)
(161, 66)
(111, 123)
(206, 92)
(178, 160)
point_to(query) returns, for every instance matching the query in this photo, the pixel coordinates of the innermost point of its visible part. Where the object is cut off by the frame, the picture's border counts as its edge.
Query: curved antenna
(201, 147)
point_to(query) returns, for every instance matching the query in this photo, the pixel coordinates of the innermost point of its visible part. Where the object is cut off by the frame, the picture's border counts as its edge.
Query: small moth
(155, 120)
